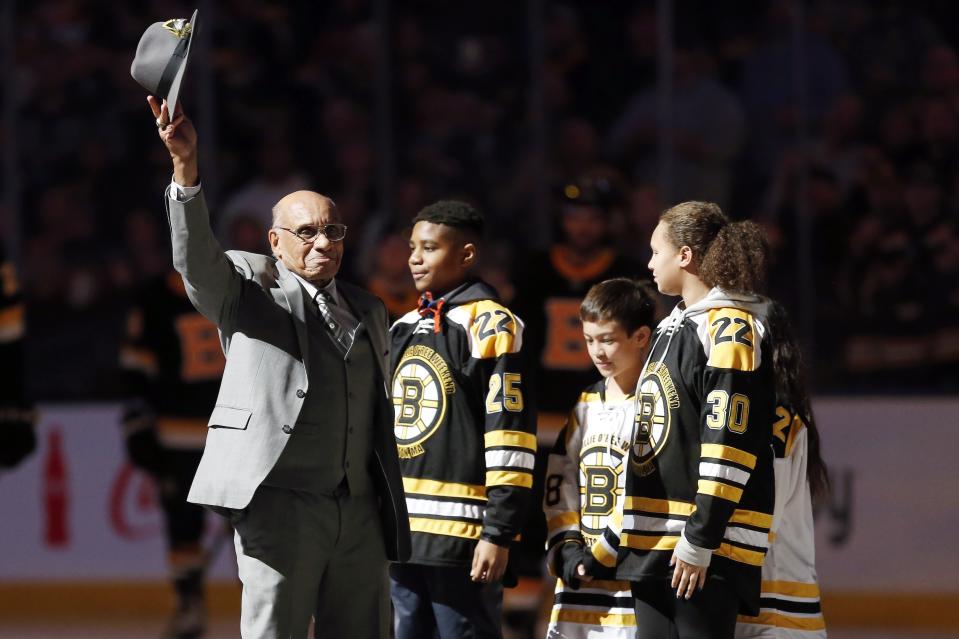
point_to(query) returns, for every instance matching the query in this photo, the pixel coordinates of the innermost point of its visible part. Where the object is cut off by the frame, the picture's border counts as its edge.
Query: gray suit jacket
(258, 306)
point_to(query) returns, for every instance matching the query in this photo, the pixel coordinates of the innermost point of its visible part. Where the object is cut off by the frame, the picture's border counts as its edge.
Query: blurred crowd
(847, 127)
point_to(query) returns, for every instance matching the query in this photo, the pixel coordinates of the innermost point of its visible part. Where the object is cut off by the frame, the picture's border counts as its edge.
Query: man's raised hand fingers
(154, 106)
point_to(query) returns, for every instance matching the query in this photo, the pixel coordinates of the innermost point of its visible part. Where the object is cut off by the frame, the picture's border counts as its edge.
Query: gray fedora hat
(160, 60)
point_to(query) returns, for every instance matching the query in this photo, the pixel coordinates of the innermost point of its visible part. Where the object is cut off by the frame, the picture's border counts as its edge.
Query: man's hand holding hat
(180, 139)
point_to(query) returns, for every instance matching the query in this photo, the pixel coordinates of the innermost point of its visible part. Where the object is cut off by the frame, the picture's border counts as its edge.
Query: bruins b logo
(655, 401)
(421, 385)
(602, 482)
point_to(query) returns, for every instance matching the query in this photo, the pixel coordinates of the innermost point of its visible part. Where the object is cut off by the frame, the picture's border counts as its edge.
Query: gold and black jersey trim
(789, 604)
(445, 508)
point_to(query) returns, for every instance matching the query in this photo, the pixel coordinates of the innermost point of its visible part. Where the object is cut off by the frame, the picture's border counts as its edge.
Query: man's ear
(685, 256)
(274, 239)
(468, 254)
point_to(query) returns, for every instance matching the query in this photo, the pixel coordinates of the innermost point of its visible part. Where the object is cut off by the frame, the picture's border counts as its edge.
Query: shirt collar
(313, 289)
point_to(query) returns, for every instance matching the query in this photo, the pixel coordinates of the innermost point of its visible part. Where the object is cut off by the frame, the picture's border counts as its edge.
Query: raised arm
(212, 281)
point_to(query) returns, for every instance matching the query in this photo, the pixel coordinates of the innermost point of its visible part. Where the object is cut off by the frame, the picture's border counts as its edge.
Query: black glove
(141, 439)
(17, 437)
(570, 555)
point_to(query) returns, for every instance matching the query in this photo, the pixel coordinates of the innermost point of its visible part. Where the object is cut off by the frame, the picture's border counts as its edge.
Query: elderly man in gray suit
(300, 451)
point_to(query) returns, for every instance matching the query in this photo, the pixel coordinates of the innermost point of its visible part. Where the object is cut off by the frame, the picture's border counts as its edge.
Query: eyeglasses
(308, 234)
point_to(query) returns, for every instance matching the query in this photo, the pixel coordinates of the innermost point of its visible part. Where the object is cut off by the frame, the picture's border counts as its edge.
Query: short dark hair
(629, 302)
(454, 213)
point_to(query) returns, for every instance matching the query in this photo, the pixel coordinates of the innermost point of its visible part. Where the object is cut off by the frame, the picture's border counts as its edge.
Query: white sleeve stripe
(510, 458)
(722, 471)
(444, 508)
(653, 524)
(747, 537)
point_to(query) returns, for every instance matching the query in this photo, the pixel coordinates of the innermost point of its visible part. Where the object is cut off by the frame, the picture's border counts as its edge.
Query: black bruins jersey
(701, 461)
(465, 438)
(172, 361)
(17, 417)
(12, 323)
(550, 305)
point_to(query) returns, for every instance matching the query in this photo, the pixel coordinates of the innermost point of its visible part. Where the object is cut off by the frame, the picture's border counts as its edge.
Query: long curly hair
(730, 255)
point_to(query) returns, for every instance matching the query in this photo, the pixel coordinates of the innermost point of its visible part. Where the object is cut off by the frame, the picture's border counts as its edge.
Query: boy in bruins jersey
(465, 437)
(587, 471)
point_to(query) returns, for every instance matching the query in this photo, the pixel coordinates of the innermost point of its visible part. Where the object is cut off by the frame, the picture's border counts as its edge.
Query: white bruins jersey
(789, 600)
(585, 483)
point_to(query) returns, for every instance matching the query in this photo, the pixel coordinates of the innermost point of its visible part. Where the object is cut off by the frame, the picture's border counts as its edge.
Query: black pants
(709, 614)
(184, 521)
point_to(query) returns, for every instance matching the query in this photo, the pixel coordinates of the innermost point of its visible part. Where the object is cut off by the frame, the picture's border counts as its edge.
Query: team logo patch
(421, 385)
(655, 402)
(602, 482)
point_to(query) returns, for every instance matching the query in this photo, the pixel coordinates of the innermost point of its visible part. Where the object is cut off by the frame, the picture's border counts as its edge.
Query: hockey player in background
(551, 286)
(466, 439)
(17, 436)
(172, 363)
(586, 478)
(789, 604)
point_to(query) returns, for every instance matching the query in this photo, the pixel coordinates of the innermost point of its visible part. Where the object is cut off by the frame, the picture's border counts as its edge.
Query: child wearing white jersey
(586, 476)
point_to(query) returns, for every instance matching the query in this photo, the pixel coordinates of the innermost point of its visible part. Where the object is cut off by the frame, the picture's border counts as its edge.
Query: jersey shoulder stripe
(492, 329)
(732, 339)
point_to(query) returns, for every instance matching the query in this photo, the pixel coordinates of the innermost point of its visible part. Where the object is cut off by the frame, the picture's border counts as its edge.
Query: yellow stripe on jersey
(587, 397)
(664, 506)
(732, 335)
(742, 555)
(443, 489)
(509, 478)
(510, 438)
(794, 429)
(591, 618)
(445, 527)
(563, 519)
(493, 329)
(791, 589)
(777, 620)
(723, 491)
(718, 451)
(603, 554)
(752, 518)
(650, 542)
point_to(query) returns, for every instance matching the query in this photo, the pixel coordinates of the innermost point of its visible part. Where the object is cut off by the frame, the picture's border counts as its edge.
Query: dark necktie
(323, 302)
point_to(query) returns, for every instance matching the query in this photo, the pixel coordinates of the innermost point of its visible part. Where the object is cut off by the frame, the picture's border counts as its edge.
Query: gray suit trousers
(302, 555)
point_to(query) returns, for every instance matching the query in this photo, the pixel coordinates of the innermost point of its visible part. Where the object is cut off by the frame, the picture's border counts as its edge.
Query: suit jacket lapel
(293, 293)
(364, 313)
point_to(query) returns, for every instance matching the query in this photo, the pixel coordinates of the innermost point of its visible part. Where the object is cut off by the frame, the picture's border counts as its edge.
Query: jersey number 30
(732, 413)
